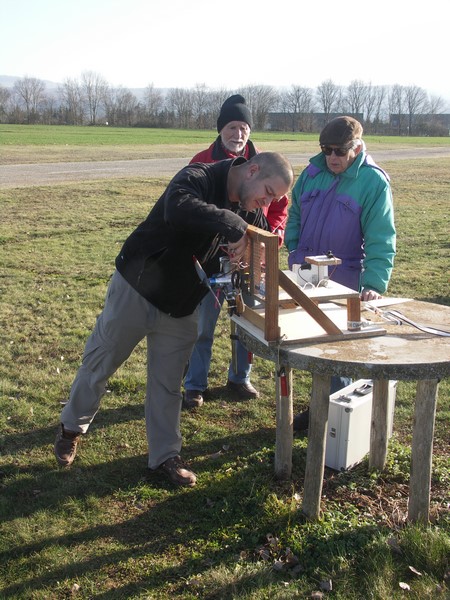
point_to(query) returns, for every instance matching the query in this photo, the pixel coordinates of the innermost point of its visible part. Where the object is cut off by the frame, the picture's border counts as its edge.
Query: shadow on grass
(183, 516)
(34, 485)
(29, 440)
(178, 520)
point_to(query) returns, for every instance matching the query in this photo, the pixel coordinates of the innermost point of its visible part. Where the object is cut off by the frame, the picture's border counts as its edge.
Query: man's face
(258, 192)
(234, 136)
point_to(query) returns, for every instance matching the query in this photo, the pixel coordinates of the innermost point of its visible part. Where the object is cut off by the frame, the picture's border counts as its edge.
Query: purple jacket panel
(331, 223)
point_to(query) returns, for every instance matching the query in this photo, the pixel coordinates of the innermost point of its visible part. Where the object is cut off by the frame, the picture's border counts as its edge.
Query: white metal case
(349, 422)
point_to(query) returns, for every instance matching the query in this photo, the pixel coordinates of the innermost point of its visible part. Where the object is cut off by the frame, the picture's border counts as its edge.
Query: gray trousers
(126, 319)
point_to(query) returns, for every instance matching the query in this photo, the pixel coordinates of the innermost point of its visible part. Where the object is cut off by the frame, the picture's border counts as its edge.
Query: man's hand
(367, 295)
(236, 250)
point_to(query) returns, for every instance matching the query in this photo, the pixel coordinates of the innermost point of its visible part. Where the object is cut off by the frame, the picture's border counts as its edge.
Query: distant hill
(8, 81)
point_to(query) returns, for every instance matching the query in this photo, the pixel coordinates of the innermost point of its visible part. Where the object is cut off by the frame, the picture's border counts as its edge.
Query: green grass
(41, 135)
(20, 144)
(106, 528)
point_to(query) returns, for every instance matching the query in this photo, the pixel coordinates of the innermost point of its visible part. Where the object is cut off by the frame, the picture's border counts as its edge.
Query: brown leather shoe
(66, 446)
(245, 391)
(192, 399)
(177, 472)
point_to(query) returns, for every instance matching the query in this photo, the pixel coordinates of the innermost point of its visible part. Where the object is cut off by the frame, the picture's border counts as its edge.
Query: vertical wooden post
(270, 242)
(379, 424)
(252, 259)
(315, 456)
(353, 314)
(284, 422)
(422, 450)
(272, 290)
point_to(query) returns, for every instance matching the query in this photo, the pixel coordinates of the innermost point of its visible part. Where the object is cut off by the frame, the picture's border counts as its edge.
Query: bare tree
(385, 109)
(215, 100)
(396, 101)
(436, 105)
(433, 123)
(179, 103)
(341, 104)
(381, 96)
(153, 104)
(369, 103)
(50, 110)
(5, 96)
(30, 92)
(200, 105)
(415, 100)
(374, 106)
(328, 96)
(423, 113)
(71, 99)
(356, 96)
(261, 99)
(120, 107)
(94, 88)
(299, 103)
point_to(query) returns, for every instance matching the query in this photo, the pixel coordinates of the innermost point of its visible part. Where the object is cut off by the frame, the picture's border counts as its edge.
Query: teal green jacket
(350, 215)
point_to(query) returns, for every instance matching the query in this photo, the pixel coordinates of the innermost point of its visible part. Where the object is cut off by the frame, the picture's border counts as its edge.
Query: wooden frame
(263, 280)
(257, 277)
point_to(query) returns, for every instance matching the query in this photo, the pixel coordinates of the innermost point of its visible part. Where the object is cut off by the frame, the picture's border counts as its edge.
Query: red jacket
(276, 212)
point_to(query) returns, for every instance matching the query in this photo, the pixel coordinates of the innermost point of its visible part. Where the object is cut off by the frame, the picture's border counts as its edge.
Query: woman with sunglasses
(342, 203)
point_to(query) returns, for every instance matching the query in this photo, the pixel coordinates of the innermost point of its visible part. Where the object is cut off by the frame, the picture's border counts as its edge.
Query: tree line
(90, 100)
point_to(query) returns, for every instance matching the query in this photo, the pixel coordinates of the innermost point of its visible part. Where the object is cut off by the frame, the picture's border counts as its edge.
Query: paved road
(55, 173)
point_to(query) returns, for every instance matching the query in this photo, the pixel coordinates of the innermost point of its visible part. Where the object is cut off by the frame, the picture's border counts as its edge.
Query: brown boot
(244, 391)
(178, 473)
(66, 446)
(192, 399)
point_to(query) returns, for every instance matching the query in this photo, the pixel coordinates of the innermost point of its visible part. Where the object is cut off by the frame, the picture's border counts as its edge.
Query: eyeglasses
(342, 151)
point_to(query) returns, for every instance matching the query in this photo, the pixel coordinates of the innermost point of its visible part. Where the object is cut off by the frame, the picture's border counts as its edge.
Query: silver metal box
(349, 422)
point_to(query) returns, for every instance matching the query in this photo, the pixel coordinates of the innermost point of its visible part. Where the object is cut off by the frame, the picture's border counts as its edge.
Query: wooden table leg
(315, 456)
(285, 415)
(379, 425)
(422, 450)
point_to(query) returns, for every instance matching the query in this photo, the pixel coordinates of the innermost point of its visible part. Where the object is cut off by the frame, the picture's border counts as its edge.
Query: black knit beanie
(234, 109)
(340, 131)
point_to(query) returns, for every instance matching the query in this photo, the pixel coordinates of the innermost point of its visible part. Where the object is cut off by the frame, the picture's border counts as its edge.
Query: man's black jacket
(190, 220)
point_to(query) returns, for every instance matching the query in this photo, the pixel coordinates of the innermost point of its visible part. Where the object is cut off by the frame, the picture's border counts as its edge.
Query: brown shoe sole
(172, 469)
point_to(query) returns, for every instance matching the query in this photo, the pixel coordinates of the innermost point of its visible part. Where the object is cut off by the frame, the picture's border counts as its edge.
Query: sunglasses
(328, 150)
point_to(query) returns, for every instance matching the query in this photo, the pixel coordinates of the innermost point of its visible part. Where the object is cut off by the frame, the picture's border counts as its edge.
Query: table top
(403, 353)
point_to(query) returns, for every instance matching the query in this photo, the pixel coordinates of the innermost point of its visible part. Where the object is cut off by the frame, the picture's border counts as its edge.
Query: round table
(403, 353)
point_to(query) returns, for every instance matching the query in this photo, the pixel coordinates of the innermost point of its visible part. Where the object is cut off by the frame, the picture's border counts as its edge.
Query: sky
(227, 45)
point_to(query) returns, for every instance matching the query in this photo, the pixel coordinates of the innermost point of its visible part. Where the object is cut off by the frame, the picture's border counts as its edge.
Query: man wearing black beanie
(234, 109)
(234, 125)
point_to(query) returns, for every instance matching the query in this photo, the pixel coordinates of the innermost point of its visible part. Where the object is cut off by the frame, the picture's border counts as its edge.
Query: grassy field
(40, 135)
(21, 144)
(106, 528)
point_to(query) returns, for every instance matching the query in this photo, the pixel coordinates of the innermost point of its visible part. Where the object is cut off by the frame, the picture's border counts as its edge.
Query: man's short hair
(274, 164)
